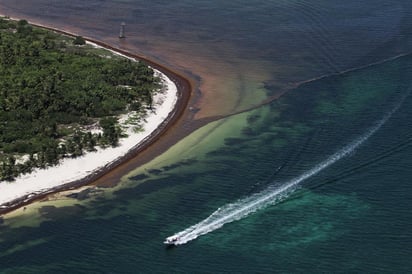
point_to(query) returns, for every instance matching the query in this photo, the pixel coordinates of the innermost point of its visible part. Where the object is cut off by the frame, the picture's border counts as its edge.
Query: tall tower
(121, 34)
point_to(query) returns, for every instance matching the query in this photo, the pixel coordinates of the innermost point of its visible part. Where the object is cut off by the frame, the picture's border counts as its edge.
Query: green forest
(53, 87)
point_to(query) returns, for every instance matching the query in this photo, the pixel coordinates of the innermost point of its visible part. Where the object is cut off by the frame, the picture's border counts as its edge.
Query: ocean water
(317, 180)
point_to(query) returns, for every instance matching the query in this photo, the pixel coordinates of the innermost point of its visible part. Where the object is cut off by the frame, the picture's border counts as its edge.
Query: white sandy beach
(69, 170)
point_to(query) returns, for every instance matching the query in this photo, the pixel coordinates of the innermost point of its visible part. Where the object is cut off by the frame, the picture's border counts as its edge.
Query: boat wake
(273, 194)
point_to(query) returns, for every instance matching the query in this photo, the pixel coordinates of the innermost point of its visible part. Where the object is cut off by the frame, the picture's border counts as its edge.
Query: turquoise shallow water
(353, 216)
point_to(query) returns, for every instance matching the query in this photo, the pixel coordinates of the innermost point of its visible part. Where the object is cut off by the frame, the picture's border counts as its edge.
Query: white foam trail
(242, 208)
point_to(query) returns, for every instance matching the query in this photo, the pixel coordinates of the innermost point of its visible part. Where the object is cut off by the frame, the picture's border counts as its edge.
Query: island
(73, 108)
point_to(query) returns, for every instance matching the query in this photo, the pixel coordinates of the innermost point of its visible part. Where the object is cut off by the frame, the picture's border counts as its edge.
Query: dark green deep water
(353, 216)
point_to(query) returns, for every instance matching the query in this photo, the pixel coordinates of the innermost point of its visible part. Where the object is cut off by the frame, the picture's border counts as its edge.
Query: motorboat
(172, 240)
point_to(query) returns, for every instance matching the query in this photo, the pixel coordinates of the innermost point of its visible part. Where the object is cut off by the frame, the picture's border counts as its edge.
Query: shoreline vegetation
(61, 98)
(123, 138)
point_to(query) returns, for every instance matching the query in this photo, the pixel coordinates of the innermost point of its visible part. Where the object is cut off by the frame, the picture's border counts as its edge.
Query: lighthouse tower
(121, 34)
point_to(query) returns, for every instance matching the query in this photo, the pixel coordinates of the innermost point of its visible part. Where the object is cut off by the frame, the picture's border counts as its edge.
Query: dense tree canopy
(50, 87)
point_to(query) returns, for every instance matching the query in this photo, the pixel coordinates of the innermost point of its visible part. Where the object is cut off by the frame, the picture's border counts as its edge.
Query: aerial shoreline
(184, 91)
